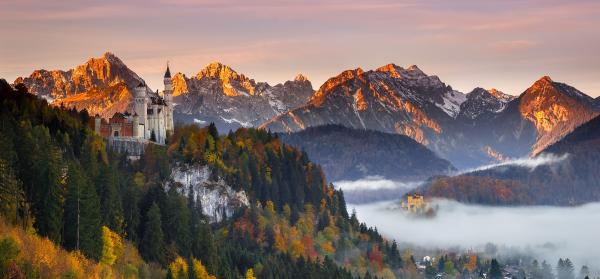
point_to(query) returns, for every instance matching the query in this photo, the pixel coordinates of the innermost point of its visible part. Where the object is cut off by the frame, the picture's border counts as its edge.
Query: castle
(151, 118)
(414, 203)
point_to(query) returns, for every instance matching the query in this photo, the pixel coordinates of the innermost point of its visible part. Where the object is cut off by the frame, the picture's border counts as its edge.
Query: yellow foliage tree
(112, 246)
(179, 269)
(250, 274)
(199, 270)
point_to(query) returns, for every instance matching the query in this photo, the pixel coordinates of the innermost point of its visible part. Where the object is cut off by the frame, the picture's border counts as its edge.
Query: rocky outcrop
(217, 199)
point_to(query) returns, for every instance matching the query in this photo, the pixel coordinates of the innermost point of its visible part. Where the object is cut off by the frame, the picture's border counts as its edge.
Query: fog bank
(531, 163)
(374, 188)
(544, 231)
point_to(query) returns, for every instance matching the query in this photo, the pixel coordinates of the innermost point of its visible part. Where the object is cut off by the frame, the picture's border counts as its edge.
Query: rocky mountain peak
(233, 84)
(300, 77)
(219, 71)
(555, 109)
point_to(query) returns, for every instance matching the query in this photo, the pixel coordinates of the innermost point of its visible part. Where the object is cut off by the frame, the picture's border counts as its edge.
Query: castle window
(116, 134)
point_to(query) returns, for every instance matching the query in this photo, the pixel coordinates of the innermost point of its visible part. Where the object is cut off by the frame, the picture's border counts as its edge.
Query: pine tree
(152, 245)
(112, 209)
(177, 223)
(11, 193)
(49, 217)
(547, 271)
(82, 229)
(495, 271)
(212, 131)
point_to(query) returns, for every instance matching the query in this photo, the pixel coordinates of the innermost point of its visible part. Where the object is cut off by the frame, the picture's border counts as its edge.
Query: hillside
(350, 154)
(565, 173)
(230, 205)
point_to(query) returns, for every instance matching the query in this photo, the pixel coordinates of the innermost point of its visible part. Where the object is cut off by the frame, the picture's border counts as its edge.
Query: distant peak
(414, 68)
(412, 71)
(109, 54)
(111, 57)
(300, 77)
(218, 70)
(545, 80)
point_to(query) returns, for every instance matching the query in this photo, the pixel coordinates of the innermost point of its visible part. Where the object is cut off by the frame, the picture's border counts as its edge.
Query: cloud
(543, 231)
(531, 163)
(374, 188)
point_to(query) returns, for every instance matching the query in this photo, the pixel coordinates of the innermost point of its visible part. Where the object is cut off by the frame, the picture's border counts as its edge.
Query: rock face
(481, 127)
(219, 94)
(349, 154)
(217, 199)
(101, 85)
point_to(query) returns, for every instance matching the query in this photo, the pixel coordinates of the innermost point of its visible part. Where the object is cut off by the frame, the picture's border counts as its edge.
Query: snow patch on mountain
(452, 101)
(233, 120)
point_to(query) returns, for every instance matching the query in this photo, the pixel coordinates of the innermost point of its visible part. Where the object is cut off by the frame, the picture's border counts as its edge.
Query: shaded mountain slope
(348, 154)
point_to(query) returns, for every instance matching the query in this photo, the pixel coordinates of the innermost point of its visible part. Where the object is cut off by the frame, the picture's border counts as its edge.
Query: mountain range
(469, 130)
(481, 127)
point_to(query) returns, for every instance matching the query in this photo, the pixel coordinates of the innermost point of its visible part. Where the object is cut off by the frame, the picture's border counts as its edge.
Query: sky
(505, 44)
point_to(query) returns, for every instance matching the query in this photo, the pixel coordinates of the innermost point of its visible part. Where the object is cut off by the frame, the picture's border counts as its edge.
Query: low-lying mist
(374, 188)
(541, 231)
(531, 163)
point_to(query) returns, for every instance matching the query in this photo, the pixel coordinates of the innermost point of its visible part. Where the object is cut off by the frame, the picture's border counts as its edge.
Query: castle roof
(168, 72)
(118, 115)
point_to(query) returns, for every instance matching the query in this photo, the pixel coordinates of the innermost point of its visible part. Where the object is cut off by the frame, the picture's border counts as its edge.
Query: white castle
(151, 118)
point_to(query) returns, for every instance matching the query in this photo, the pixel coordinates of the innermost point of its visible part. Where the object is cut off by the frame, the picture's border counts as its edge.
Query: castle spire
(168, 72)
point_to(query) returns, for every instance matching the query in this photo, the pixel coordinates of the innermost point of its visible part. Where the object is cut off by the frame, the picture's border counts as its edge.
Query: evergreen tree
(212, 131)
(49, 214)
(495, 271)
(11, 193)
(152, 245)
(112, 209)
(584, 271)
(547, 271)
(82, 228)
(131, 208)
(177, 222)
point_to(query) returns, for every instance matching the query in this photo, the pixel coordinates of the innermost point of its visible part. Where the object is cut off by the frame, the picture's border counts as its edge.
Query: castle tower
(97, 124)
(140, 107)
(136, 126)
(168, 95)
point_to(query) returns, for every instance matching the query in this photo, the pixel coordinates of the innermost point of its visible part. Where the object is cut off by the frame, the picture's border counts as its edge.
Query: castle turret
(168, 95)
(97, 124)
(141, 106)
